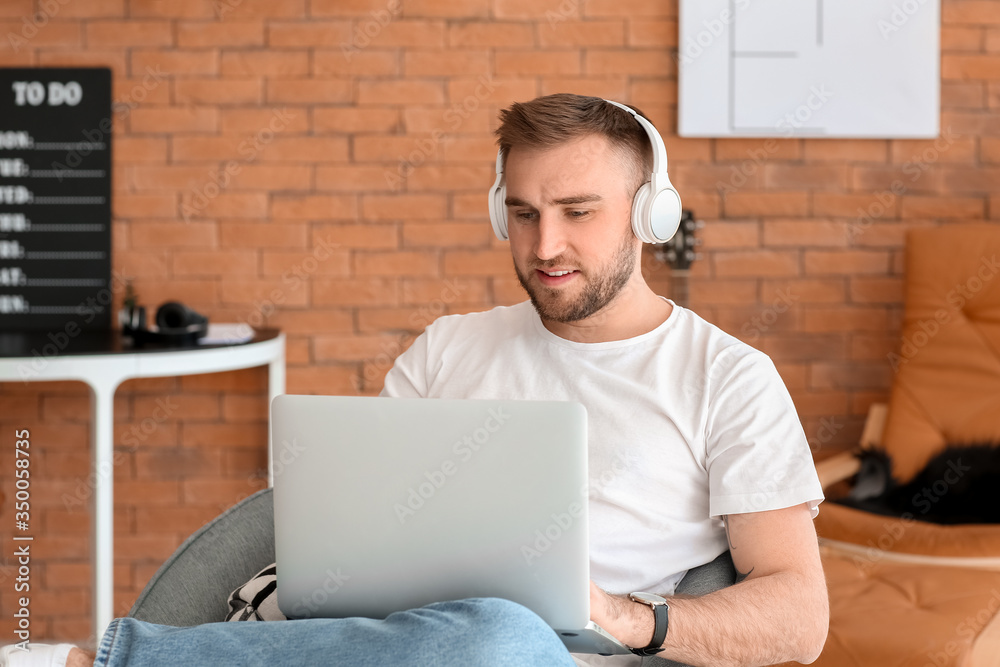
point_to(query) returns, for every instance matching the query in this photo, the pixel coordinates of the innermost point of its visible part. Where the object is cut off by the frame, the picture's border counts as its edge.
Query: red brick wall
(357, 139)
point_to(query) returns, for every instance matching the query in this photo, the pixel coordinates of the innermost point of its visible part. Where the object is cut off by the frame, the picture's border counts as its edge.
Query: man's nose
(551, 237)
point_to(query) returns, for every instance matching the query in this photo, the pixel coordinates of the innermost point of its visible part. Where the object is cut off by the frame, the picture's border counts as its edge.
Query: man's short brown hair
(554, 119)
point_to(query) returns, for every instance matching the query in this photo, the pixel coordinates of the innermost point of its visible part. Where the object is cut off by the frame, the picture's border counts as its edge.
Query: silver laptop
(387, 504)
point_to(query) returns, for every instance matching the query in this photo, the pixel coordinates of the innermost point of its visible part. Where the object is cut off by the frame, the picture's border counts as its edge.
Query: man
(700, 423)
(695, 430)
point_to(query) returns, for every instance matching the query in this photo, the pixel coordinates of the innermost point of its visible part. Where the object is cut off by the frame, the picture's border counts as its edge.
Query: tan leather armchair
(905, 592)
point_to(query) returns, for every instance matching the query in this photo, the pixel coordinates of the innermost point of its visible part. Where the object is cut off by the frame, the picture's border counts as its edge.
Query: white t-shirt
(686, 424)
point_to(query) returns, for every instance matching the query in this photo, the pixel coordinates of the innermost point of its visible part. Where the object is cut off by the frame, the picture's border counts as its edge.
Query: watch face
(648, 598)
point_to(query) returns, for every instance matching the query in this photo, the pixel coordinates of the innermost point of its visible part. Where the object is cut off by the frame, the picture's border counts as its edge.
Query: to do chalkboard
(55, 199)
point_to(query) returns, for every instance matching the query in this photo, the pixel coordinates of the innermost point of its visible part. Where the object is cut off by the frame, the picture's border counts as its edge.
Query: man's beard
(597, 293)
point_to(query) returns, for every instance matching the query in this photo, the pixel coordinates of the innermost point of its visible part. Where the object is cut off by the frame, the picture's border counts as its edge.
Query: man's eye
(525, 215)
(579, 214)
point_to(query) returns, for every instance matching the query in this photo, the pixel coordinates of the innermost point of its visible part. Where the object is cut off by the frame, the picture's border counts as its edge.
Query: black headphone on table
(176, 325)
(656, 207)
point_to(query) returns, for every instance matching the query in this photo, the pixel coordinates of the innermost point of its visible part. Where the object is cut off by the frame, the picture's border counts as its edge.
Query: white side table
(103, 363)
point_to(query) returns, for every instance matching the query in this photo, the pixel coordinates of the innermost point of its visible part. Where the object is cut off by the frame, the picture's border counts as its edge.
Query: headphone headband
(656, 206)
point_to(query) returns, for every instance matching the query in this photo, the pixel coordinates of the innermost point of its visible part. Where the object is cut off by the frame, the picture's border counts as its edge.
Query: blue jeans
(477, 631)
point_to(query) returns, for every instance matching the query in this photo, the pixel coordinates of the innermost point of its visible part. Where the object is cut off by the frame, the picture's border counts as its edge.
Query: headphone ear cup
(640, 218)
(664, 215)
(498, 208)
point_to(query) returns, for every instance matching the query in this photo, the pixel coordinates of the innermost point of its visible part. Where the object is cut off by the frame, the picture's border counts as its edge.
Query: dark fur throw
(959, 485)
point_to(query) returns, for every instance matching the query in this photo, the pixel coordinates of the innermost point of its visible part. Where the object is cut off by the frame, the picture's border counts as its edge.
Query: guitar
(679, 254)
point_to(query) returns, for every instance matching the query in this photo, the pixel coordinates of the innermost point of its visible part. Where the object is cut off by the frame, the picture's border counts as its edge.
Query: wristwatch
(660, 620)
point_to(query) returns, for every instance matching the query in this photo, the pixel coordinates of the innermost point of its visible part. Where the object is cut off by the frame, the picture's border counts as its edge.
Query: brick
(225, 205)
(215, 263)
(872, 347)
(970, 66)
(434, 295)
(369, 62)
(367, 9)
(173, 119)
(963, 95)
(220, 493)
(354, 292)
(264, 63)
(16, 34)
(799, 347)
(353, 348)
(551, 10)
(989, 149)
(847, 262)
(490, 34)
(722, 292)
(288, 9)
(176, 463)
(637, 62)
(403, 151)
(318, 207)
(942, 207)
(174, 234)
(400, 92)
(945, 150)
(400, 263)
(631, 8)
(432, 177)
(354, 178)
(477, 262)
(724, 234)
(297, 266)
(370, 236)
(208, 34)
(170, 178)
(766, 203)
(756, 263)
(313, 319)
(444, 63)
(847, 205)
(200, 437)
(172, 9)
(527, 63)
(805, 233)
(808, 290)
(653, 33)
(113, 58)
(911, 177)
(140, 150)
(848, 150)
(174, 520)
(403, 207)
(961, 38)
(243, 381)
(445, 234)
(261, 125)
(223, 92)
(346, 120)
(758, 150)
(272, 177)
(592, 33)
(105, 33)
(790, 176)
(262, 235)
(876, 289)
(309, 91)
(411, 33)
(176, 62)
(971, 180)
(847, 375)
(324, 379)
(244, 408)
(288, 34)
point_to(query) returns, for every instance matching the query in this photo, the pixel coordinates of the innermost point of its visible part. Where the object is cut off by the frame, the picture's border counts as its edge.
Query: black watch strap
(660, 622)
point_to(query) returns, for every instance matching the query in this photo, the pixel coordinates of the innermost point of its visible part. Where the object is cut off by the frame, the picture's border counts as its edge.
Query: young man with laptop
(692, 445)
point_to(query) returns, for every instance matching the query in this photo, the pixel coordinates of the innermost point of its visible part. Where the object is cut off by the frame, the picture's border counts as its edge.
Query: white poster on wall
(818, 68)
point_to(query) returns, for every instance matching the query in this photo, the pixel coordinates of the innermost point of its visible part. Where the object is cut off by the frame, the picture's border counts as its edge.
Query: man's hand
(628, 621)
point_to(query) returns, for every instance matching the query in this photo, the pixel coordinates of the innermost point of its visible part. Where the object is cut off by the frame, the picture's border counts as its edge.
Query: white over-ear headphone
(656, 207)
